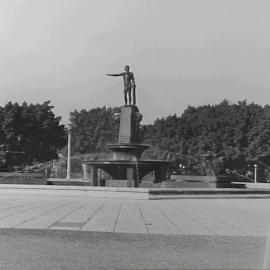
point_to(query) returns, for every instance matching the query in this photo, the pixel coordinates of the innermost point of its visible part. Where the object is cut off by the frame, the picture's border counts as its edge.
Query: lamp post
(255, 173)
(69, 151)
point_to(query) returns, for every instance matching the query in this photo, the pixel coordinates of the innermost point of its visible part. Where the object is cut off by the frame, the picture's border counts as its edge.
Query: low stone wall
(22, 178)
(195, 181)
(150, 185)
(65, 182)
(194, 178)
(119, 183)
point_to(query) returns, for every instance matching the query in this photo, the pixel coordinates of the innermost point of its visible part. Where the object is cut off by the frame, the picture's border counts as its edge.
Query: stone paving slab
(156, 221)
(25, 214)
(105, 218)
(77, 219)
(49, 218)
(217, 217)
(130, 219)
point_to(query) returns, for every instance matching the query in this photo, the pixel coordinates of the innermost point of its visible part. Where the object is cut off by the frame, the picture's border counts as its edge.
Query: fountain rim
(128, 145)
(126, 162)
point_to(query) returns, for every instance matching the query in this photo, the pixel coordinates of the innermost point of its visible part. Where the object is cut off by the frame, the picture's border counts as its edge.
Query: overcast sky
(182, 53)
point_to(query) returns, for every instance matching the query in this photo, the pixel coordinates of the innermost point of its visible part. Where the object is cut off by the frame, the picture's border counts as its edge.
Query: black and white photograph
(134, 134)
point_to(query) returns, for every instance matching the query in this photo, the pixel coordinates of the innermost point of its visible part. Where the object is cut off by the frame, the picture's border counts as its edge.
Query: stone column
(131, 177)
(130, 174)
(86, 173)
(93, 175)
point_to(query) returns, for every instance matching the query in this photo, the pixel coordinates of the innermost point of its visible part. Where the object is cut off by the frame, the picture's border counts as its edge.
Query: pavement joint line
(129, 217)
(263, 214)
(214, 218)
(245, 221)
(255, 224)
(169, 219)
(140, 211)
(155, 219)
(258, 210)
(70, 218)
(16, 206)
(104, 217)
(41, 205)
(118, 213)
(55, 223)
(224, 222)
(195, 220)
(44, 213)
(98, 208)
(16, 213)
(245, 231)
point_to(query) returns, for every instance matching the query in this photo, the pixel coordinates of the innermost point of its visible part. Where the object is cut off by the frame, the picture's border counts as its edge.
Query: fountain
(127, 168)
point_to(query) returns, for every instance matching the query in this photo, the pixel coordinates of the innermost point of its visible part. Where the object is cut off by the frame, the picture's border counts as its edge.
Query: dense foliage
(93, 129)
(232, 134)
(32, 129)
(207, 139)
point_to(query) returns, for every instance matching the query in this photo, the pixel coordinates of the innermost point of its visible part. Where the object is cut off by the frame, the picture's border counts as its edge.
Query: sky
(182, 52)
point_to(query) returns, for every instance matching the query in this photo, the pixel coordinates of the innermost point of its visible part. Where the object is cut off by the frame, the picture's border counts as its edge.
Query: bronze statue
(129, 85)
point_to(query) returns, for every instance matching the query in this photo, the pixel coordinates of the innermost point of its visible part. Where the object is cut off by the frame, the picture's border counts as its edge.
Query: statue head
(127, 68)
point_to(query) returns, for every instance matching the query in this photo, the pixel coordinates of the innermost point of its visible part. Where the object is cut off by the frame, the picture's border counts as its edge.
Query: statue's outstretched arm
(115, 75)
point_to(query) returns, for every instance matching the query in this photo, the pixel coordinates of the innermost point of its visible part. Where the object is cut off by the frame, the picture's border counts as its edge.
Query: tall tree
(33, 129)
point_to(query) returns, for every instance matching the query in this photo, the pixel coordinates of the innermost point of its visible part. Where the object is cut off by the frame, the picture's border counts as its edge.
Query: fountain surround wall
(126, 168)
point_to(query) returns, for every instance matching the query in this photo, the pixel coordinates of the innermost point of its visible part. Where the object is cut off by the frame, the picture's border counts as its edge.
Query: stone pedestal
(129, 125)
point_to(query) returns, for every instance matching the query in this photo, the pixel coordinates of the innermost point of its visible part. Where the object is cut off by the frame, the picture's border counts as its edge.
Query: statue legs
(125, 96)
(134, 95)
(130, 96)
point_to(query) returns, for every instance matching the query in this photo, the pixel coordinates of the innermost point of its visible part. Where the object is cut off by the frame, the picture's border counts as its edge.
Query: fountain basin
(154, 171)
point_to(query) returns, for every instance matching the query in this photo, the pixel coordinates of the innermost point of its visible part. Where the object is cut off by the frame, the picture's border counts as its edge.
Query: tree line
(225, 135)
(206, 139)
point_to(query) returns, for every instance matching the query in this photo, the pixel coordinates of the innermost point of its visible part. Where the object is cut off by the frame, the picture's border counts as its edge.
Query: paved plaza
(76, 232)
(72, 232)
(223, 217)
